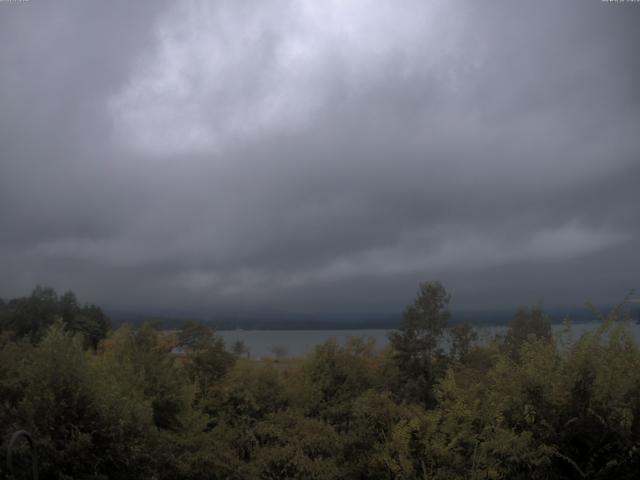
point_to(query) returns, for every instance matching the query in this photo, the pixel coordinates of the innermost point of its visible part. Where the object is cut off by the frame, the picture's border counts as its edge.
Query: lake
(299, 342)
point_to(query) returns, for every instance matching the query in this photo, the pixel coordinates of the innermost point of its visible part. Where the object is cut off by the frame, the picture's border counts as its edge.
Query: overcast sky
(320, 157)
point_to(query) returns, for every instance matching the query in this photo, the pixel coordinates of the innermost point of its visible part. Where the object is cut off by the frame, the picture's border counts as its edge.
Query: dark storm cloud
(323, 157)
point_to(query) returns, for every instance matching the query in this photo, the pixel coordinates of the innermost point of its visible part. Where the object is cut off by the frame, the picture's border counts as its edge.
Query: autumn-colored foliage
(524, 406)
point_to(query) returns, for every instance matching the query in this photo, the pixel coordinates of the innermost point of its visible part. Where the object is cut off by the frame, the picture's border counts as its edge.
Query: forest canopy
(127, 403)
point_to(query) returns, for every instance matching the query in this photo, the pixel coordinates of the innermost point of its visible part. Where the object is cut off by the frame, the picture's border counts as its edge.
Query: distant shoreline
(478, 319)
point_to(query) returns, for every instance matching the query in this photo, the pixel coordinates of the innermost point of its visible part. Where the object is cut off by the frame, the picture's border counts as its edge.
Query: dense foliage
(128, 404)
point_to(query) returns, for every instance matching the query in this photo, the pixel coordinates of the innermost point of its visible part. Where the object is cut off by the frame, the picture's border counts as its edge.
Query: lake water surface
(299, 342)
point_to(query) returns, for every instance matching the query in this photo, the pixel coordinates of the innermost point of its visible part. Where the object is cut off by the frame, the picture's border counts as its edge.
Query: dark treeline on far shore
(119, 402)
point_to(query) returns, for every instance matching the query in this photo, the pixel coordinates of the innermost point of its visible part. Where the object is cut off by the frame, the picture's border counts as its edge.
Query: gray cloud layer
(322, 157)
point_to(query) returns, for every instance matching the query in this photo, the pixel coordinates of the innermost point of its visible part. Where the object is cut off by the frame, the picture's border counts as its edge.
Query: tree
(92, 323)
(162, 379)
(525, 325)
(239, 348)
(68, 306)
(416, 342)
(462, 336)
(293, 446)
(208, 359)
(31, 316)
(333, 376)
(250, 391)
(195, 335)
